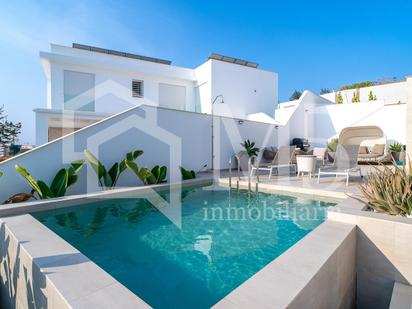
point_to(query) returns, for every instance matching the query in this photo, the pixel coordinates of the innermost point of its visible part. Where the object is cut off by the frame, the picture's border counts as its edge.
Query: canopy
(368, 135)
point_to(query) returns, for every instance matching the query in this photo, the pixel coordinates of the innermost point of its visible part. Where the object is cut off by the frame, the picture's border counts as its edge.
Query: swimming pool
(226, 237)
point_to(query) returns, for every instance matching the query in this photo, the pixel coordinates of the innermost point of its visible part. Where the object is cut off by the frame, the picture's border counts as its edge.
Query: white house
(86, 84)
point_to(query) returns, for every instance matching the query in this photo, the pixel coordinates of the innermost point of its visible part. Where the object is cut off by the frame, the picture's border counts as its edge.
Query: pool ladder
(237, 158)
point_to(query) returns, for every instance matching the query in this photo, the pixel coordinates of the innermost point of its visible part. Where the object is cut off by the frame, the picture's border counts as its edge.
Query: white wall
(111, 104)
(388, 93)
(245, 90)
(193, 129)
(317, 119)
(331, 119)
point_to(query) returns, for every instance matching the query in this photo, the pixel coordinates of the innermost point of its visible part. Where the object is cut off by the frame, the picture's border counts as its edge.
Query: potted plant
(249, 151)
(396, 150)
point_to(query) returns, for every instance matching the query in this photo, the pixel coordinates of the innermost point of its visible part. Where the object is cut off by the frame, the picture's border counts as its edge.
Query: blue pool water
(226, 237)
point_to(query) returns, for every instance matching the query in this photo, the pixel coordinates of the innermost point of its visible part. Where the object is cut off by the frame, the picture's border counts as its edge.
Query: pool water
(226, 237)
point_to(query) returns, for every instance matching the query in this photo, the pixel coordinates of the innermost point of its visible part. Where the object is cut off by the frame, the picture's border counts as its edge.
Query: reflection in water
(191, 267)
(204, 244)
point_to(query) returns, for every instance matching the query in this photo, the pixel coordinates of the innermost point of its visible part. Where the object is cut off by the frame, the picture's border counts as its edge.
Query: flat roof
(246, 63)
(120, 54)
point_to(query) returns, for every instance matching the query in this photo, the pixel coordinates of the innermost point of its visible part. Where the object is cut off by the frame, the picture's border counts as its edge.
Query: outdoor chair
(283, 158)
(346, 162)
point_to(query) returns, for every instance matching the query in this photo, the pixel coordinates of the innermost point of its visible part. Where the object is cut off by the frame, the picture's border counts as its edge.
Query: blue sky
(311, 44)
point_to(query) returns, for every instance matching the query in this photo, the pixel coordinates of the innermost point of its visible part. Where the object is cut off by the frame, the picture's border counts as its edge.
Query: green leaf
(99, 168)
(133, 166)
(122, 166)
(145, 175)
(46, 191)
(137, 154)
(113, 172)
(59, 183)
(77, 165)
(163, 173)
(32, 182)
(1, 173)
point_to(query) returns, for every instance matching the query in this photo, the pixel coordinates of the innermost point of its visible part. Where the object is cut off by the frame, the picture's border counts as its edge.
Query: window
(137, 89)
(172, 96)
(78, 91)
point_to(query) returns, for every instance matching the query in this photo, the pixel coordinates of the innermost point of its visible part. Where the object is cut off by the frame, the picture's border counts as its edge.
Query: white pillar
(409, 117)
(42, 129)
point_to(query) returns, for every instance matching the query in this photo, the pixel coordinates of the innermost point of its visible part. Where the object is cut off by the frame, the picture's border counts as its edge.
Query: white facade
(79, 80)
(317, 119)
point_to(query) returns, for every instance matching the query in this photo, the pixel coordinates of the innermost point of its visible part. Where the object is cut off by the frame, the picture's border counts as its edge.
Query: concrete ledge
(317, 272)
(73, 200)
(41, 270)
(401, 296)
(313, 193)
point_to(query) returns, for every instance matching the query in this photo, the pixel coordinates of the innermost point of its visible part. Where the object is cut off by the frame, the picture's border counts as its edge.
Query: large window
(172, 96)
(79, 91)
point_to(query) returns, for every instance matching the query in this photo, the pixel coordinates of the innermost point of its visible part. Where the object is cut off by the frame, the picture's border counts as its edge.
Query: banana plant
(158, 175)
(148, 177)
(108, 178)
(187, 174)
(64, 178)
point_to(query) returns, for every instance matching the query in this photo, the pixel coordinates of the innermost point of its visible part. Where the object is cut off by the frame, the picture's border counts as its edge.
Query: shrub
(389, 191)
(356, 97)
(358, 85)
(371, 96)
(339, 98)
(187, 174)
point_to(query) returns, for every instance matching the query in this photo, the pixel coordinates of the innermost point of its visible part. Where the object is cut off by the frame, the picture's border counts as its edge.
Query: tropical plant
(339, 98)
(396, 147)
(158, 175)
(295, 95)
(64, 178)
(389, 190)
(187, 174)
(325, 91)
(108, 177)
(148, 177)
(250, 148)
(333, 144)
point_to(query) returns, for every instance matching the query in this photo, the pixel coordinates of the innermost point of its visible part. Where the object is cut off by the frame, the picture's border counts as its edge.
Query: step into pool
(225, 238)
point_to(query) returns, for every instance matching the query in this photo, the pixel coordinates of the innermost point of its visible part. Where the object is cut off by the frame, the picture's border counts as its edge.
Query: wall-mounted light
(240, 122)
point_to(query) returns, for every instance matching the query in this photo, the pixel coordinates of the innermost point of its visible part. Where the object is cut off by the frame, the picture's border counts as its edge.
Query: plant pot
(396, 155)
(331, 156)
(243, 160)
